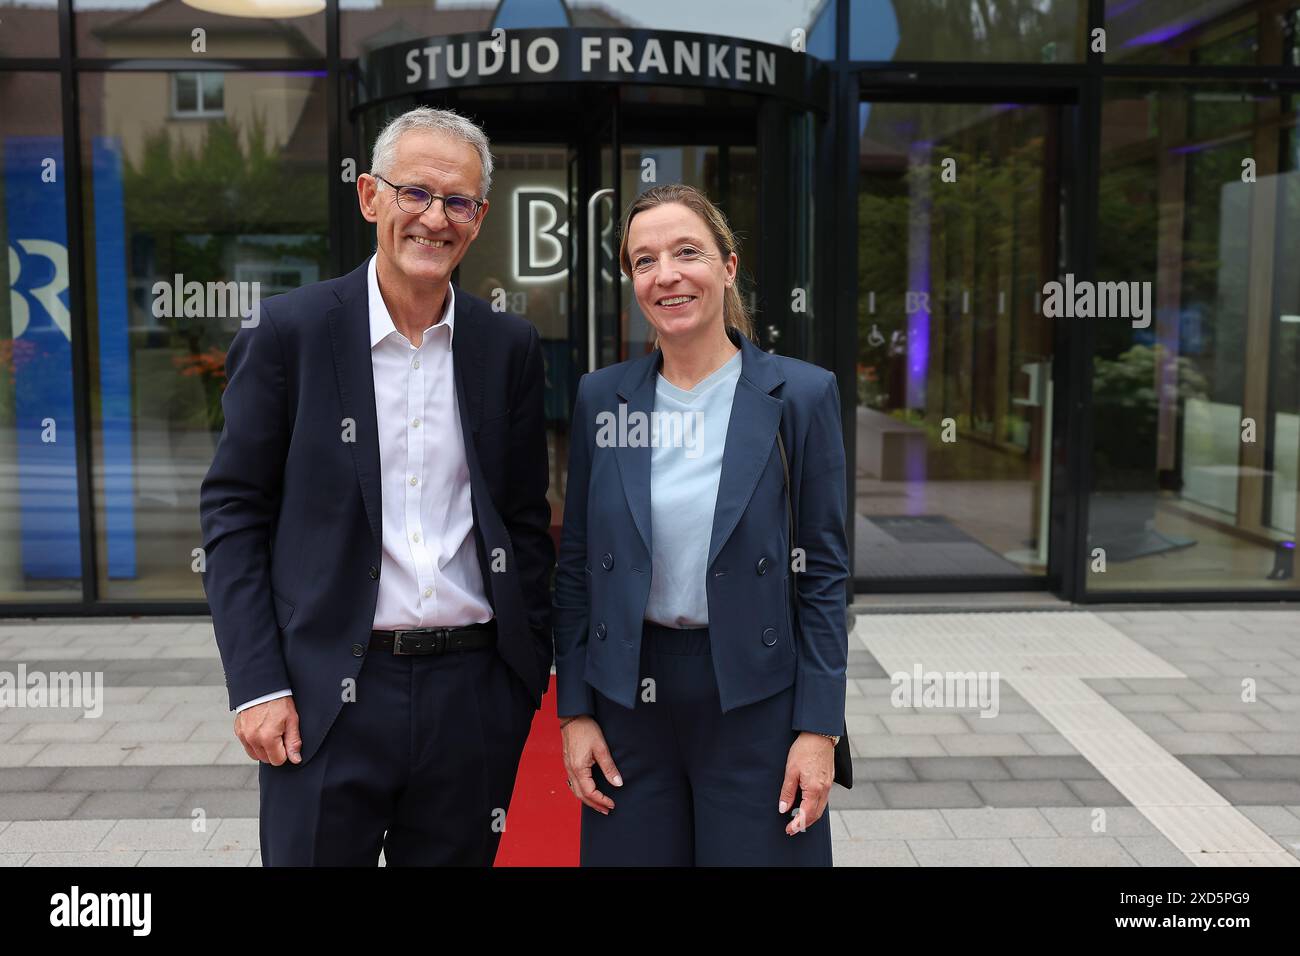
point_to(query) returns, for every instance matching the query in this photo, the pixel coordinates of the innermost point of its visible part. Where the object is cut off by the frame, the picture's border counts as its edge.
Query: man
(376, 532)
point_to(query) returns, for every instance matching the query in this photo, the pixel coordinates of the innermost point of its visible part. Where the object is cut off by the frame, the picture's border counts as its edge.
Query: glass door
(959, 219)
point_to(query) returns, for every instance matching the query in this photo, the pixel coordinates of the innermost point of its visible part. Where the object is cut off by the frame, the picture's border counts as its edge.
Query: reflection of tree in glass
(203, 210)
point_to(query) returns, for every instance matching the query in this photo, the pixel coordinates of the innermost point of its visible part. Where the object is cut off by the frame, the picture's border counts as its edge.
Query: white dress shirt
(429, 575)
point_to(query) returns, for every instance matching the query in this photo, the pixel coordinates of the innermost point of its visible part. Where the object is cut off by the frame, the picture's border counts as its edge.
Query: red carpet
(542, 825)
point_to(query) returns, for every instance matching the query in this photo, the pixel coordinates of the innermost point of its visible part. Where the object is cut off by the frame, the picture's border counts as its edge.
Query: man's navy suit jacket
(602, 583)
(290, 508)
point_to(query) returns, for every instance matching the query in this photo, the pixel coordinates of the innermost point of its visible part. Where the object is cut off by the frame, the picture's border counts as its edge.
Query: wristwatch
(835, 739)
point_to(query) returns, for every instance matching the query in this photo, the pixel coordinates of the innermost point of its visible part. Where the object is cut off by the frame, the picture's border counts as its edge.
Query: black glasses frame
(397, 189)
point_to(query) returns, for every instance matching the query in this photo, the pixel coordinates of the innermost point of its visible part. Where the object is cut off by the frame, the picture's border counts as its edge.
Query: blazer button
(762, 565)
(769, 636)
(357, 650)
(607, 561)
(601, 630)
(374, 572)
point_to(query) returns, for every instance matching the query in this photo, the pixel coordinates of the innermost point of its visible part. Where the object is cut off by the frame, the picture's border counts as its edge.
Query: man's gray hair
(426, 119)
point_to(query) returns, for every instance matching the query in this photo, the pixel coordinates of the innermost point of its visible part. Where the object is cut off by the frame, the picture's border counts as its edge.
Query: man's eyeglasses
(416, 199)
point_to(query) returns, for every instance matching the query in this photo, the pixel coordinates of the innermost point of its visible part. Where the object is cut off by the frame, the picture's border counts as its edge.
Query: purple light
(1162, 34)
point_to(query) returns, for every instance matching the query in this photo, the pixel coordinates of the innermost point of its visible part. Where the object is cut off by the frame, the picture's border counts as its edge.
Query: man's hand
(585, 745)
(810, 767)
(269, 731)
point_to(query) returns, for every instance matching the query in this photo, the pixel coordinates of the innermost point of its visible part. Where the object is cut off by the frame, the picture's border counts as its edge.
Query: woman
(699, 714)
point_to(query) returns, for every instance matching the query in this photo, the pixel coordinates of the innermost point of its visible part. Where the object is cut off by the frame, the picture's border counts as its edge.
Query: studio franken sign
(592, 55)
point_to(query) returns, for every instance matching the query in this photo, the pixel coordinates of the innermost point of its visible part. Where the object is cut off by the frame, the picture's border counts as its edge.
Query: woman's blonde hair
(734, 313)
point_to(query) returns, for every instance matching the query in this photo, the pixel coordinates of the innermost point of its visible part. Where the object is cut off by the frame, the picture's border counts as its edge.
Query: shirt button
(415, 423)
(428, 592)
(415, 364)
(416, 536)
(414, 480)
(374, 571)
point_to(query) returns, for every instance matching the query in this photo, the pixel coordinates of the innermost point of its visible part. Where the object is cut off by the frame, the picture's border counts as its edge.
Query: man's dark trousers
(426, 735)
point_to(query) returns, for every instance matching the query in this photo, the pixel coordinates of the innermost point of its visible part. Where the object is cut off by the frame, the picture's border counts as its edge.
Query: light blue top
(687, 435)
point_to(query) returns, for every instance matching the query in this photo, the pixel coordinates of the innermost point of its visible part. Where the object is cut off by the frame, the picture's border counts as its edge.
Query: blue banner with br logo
(41, 362)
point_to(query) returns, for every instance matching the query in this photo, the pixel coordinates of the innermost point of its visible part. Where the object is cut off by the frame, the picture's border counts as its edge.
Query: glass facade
(1050, 260)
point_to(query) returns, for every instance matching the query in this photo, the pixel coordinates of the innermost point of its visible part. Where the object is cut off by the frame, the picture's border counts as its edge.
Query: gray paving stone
(1154, 851)
(1025, 793)
(871, 853)
(966, 853)
(1080, 851)
(100, 778)
(1050, 768)
(1267, 742)
(17, 779)
(911, 745)
(1116, 821)
(838, 830)
(1153, 723)
(241, 834)
(128, 804)
(206, 778)
(879, 825)
(960, 768)
(1286, 723)
(1219, 684)
(1161, 685)
(1210, 765)
(1160, 703)
(1199, 743)
(985, 745)
(929, 794)
(927, 723)
(1266, 766)
(245, 803)
(1097, 793)
(1219, 703)
(139, 732)
(73, 731)
(886, 768)
(86, 858)
(863, 796)
(36, 836)
(1010, 724)
(1255, 792)
(1050, 745)
(1214, 723)
(1275, 821)
(864, 724)
(197, 858)
(184, 754)
(998, 822)
(39, 805)
(160, 834)
(14, 859)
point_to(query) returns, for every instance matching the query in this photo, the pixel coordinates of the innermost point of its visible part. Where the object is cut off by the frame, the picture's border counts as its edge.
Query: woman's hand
(809, 767)
(584, 745)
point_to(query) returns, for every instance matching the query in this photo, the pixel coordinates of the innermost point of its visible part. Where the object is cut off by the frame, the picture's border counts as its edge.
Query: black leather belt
(436, 640)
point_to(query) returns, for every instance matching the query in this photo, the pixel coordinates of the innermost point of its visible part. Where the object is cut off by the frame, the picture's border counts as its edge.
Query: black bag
(843, 757)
